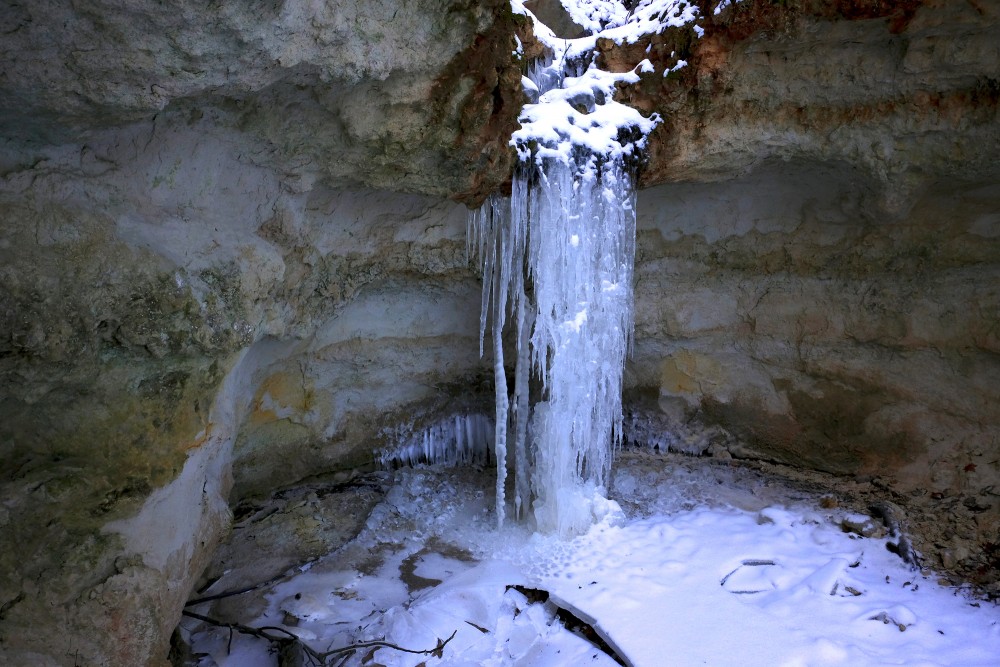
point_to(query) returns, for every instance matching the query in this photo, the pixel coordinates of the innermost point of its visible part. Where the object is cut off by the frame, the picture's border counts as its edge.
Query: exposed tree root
(295, 652)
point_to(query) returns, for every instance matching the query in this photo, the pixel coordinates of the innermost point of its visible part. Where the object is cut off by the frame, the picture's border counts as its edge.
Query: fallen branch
(284, 639)
(241, 591)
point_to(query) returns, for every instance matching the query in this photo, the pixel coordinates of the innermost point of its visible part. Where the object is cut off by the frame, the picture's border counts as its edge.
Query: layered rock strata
(834, 302)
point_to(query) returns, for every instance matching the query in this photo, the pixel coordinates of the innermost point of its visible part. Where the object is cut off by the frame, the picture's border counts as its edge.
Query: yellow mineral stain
(278, 395)
(689, 373)
(200, 439)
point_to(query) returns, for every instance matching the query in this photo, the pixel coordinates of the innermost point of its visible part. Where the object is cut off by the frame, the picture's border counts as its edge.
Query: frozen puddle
(702, 573)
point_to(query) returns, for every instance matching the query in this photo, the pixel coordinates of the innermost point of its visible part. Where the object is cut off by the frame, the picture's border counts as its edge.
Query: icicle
(487, 253)
(500, 440)
(522, 373)
(463, 439)
(582, 285)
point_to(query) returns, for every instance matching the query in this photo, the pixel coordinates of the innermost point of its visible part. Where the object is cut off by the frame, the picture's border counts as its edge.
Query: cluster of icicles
(557, 260)
(456, 440)
(557, 271)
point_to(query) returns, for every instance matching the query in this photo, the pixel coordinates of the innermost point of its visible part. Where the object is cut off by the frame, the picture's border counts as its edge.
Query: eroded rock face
(207, 290)
(904, 308)
(416, 96)
(782, 306)
(905, 92)
(185, 280)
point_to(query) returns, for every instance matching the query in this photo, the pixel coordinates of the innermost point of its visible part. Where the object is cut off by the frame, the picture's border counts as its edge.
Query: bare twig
(285, 637)
(241, 591)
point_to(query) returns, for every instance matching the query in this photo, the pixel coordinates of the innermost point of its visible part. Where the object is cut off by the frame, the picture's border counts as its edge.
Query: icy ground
(710, 565)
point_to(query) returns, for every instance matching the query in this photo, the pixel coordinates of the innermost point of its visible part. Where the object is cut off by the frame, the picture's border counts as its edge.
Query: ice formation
(457, 440)
(557, 261)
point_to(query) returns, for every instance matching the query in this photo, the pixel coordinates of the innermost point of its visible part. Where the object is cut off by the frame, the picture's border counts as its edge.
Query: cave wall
(169, 309)
(416, 96)
(818, 254)
(784, 306)
(231, 258)
(196, 266)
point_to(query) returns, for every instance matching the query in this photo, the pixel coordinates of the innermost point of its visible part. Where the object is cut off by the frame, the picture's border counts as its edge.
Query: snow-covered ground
(706, 566)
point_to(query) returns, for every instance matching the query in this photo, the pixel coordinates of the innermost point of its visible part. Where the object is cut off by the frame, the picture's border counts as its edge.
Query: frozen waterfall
(557, 261)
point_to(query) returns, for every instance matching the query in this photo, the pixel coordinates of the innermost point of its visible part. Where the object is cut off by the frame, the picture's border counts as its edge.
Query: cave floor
(709, 562)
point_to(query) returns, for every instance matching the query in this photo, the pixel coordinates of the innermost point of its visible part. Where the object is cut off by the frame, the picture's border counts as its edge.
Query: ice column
(580, 258)
(557, 261)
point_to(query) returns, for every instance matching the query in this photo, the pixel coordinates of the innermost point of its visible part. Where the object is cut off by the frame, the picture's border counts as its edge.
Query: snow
(572, 105)
(722, 5)
(764, 577)
(612, 19)
(578, 114)
(681, 64)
